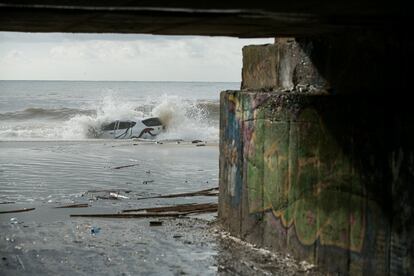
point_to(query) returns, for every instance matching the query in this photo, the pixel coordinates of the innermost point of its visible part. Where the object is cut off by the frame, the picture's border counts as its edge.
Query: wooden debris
(109, 191)
(111, 195)
(7, 202)
(177, 208)
(142, 215)
(78, 205)
(126, 166)
(17, 211)
(205, 210)
(207, 192)
(155, 223)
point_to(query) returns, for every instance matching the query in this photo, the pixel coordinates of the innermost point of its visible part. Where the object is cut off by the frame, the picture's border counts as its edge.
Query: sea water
(49, 154)
(69, 110)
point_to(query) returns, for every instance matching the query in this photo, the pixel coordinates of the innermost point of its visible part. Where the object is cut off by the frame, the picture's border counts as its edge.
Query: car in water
(141, 128)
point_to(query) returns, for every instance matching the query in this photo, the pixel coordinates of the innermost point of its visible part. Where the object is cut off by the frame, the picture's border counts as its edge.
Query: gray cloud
(121, 57)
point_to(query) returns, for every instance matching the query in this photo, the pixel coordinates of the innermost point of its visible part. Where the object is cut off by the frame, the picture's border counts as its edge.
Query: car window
(110, 126)
(152, 122)
(125, 125)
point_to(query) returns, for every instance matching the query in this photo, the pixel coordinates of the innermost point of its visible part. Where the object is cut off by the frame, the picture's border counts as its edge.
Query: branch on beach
(207, 192)
(177, 208)
(79, 205)
(17, 211)
(126, 166)
(143, 215)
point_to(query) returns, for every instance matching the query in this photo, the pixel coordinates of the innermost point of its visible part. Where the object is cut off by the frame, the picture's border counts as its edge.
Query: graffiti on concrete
(232, 148)
(307, 181)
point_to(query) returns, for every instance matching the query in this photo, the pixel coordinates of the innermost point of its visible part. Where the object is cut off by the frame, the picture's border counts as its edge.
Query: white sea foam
(184, 119)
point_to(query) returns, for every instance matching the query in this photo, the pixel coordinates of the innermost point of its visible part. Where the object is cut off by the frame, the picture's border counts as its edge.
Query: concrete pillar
(317, 152)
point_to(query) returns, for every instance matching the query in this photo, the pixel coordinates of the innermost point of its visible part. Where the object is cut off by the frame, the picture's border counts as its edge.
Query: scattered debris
(107, 194)
(177, 236)
(17, 211)
(7, 202)
(142, 215)
(126, 166)
(200, 145)
(20, 262)
(147, 181)
(305, 266)
(109, 191)
(14, 221)
(207, 192)
(196, 141)
(95, 230)
(78, 205)
(155, 223)
(117, 196)
(178, 208)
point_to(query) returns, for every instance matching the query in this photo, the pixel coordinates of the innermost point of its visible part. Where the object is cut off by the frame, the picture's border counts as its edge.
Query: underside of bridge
(316, 149)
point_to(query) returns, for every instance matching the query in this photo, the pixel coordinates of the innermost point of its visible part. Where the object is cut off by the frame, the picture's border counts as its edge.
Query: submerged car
(142, 128)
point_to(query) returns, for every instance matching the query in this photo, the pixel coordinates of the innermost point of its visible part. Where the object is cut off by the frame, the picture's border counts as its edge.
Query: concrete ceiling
(218, 18)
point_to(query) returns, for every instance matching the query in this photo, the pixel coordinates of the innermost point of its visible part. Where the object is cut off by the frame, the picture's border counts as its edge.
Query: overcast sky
(55, 56)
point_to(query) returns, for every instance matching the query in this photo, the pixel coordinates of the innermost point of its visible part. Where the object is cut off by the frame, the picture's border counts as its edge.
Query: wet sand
(47, 241)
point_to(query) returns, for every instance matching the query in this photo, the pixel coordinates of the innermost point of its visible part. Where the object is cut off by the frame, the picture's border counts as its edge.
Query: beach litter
(184, 208)
(77, 205)
(155, 223)
(113, 194)
(117, 196)
(95, 230)
(166, 211)
(125, 166)
(206, 192)
(17, 211)
(117, 215)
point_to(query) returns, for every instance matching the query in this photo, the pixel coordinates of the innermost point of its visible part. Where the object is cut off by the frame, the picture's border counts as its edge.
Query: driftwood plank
(79, 205)
(207, 192)
(143, 215)
(177, 208)
(126, 166)
(17, 211)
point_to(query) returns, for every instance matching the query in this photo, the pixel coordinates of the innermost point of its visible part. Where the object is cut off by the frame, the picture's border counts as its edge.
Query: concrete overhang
(215, 17)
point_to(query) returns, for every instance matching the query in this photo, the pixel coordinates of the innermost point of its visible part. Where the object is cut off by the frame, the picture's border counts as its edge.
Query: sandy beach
(48, 241)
